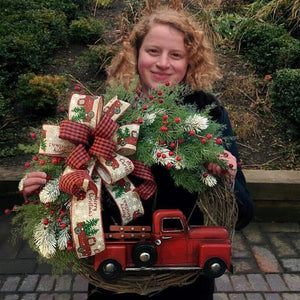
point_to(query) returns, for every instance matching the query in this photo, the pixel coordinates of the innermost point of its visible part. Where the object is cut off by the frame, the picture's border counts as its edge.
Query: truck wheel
(214, 267)
(110, 269)
(144, 254)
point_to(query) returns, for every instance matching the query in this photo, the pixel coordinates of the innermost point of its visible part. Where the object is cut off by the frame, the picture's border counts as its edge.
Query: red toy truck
(171, 244)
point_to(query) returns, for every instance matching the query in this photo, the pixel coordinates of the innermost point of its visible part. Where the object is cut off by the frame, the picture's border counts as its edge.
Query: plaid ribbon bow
(97, 142)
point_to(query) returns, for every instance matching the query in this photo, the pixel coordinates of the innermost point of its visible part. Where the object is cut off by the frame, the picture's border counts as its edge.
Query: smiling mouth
(160, 76)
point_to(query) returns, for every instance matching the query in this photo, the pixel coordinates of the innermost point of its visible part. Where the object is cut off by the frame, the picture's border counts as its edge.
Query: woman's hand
(216, 170)
(33, 181)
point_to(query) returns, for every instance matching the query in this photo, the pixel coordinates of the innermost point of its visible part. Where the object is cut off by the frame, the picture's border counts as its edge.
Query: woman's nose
(163, 61)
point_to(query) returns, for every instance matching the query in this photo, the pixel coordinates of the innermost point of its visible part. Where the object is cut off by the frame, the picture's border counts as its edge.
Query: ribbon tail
(86, 224)
(147, 188)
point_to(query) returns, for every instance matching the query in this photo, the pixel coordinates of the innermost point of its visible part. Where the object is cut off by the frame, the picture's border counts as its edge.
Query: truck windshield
(172, 225)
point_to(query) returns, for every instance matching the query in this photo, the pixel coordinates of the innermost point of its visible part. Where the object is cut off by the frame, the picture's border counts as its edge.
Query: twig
(243, 145)
(246, 95)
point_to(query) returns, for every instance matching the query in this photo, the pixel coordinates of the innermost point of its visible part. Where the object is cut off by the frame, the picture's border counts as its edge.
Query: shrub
(86, 30)
(268, 47)
(27, 39)
(95, 59)
(37, 95)
(285, 99)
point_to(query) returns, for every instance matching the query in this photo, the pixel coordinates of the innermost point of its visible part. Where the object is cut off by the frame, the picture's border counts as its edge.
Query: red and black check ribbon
(148, 187)
(73, 183)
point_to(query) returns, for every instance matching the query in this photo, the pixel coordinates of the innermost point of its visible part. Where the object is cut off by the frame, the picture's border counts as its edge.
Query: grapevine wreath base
(141, 282)
(170, 134)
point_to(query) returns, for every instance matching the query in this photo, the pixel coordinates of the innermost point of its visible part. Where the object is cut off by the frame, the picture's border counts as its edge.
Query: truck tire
(144, 254)
(110, 269)
(214, 267)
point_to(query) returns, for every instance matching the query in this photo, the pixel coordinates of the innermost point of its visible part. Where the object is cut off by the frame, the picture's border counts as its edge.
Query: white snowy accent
(196, 122)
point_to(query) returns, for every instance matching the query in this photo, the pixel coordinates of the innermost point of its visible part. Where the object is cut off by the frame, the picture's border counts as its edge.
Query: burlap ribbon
(90, 134)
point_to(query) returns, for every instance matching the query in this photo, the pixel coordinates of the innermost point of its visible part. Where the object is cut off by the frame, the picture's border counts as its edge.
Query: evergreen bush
(268, 47)
(285, 99)
(86, 30)
(37, 94)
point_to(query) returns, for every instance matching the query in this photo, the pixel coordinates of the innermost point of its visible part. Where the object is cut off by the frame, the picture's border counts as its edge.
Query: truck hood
(208, 232)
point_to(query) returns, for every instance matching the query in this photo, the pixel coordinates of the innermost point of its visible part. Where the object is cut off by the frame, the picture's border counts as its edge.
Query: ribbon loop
(102, 147)
(78, 157)
(106, 128)
(77, 183)
(74, 132)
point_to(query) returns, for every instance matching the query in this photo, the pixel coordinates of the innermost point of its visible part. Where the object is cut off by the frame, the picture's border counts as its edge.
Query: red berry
(69, 242)
(27, 164)
(52, 212)
(46, 221)
(172, 145)
(203, 141)
(164, 156)
(63, 225)
(58, 220)
(169, 165)
(138, 92)
(140, 120)
(171, 153)
(160, 100)
(165, 117)
(69, 248)
(159, 93)
(163, 128)
(47, 204)
(54, 160)
(192, 132)
(167, 83)
(42, 162)
(230, 166)
(35, 158)
(145, 107)
(151, 97)
(62, 109)
(76, 88)
(158, 154)
(180, 141)
(165, 122)
(177, 120)
(178, 158)
(239, 163)
(7, 211)
(33, 135)
(62, 213)
(219, 141)
(209, 136)
(26, 201)
(204, 175)
(48, 177)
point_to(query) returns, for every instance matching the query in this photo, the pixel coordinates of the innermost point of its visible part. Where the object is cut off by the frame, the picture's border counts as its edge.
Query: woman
(168, 46)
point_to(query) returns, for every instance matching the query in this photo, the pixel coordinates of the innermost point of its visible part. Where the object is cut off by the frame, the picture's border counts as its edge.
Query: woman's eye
(176, 55)
(152, 51)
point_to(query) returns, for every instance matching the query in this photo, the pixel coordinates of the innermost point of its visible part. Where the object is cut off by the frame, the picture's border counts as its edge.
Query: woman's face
(162, 57)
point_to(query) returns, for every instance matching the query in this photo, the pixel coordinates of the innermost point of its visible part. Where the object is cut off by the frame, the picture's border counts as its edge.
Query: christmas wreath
(102, 143)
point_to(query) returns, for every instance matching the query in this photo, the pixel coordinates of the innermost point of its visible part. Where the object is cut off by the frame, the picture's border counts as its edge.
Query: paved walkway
(266, 258)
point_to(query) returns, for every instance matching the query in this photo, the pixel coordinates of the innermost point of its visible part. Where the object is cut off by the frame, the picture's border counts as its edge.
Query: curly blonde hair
(202, 70)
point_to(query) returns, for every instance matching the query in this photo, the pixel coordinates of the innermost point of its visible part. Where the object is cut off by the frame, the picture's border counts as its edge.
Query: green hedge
(285, 99)
(30, 32)
(268, 47)
(86, 30)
